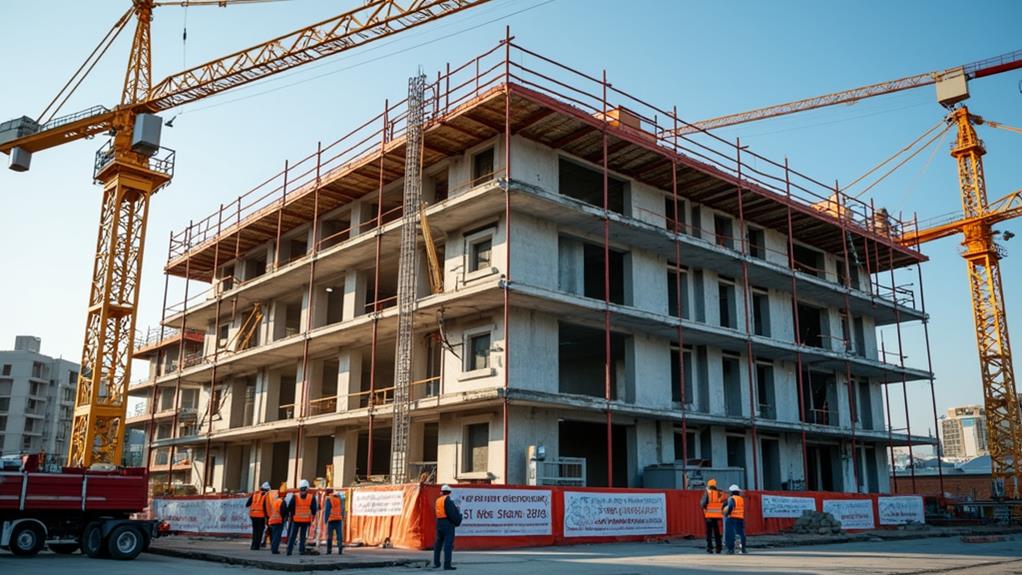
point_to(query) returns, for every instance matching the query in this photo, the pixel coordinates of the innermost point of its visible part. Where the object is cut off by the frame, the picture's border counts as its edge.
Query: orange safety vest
(739, 509)
(441, 511)
(336, 510)
(275, 517)
(714, 504)
(256, 511)
(303, 509)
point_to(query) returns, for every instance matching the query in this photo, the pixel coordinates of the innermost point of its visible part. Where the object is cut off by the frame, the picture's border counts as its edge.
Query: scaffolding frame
(750, 176)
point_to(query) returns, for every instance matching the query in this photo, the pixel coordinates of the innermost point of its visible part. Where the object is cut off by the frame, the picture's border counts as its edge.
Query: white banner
(222, 516)
(367, 503)
(852, 513)
(787, 507)
(504, 512)
(593, 514)
(900, 510)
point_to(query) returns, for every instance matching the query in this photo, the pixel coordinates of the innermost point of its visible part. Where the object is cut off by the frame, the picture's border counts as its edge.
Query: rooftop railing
(510, 63)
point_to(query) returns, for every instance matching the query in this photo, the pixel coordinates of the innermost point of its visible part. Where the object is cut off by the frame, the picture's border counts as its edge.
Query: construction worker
(301, 509)
(734, 519)
(448, 516)
(275, 521)
(258, 508)
(333, 510)
(712, 504)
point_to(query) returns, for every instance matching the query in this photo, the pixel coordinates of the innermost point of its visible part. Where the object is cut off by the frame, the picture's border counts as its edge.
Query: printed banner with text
(852, 513)
(900, 510)
(595, 514)
(220, 516)
(504, 512)
(786, 507)
(373, 503)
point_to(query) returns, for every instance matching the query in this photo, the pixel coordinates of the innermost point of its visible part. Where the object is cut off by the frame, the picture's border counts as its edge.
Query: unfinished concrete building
(614, 294)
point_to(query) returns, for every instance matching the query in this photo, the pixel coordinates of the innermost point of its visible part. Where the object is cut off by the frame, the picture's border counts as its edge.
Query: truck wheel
(125, 542)
(92, 540)
(27, 539)
(63, 548)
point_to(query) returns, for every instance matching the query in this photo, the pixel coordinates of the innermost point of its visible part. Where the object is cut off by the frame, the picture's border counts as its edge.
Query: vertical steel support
(929, 368)
(853, 415)
(607, 361)
(901, 362)
(216, 350)
(280, 218)
(151, 427)
(507, 250)
(376, 292)
(302, 402)
(180, 356)
(679, 304)
(746, 295)
(890, 431)
(798, 330)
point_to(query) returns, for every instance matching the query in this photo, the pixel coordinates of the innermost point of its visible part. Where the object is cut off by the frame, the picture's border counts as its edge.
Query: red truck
(75, 509)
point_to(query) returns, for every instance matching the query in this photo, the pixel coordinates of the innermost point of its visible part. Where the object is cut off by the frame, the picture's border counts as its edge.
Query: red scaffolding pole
(507, 241)
(607, 359)
(798, 331)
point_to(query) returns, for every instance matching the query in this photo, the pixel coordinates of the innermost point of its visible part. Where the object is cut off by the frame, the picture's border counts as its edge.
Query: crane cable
(891, 158)
(101, 48)
(903, 162)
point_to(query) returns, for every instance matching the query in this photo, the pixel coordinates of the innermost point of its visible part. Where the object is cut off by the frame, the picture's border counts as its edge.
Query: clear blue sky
(708, 58)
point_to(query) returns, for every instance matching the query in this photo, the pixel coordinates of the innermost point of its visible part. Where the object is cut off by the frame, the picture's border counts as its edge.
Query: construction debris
(817, 522)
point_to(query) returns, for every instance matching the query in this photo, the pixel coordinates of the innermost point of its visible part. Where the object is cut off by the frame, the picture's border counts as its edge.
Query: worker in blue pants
(734, 519)
(448, 516)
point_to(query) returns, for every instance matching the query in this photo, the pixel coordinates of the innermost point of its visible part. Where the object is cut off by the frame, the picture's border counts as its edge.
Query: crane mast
(1004, 421)
(133, 166)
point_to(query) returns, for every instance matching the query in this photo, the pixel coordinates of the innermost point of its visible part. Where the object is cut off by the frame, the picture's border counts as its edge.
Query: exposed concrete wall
(533, 354)
(534, 258)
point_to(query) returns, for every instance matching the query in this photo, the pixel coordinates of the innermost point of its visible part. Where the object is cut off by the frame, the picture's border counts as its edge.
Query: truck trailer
(86, 509)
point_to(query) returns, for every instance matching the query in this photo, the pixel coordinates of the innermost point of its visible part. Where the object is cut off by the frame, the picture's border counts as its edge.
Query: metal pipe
(180, 357)
(849, 326)
(507, 242)
(929, 368)
(746, 293)
(302, 405)
(901, 358)
(679, 304)
(798, 330)
(607, 362)
(216, 351)
(376, 293)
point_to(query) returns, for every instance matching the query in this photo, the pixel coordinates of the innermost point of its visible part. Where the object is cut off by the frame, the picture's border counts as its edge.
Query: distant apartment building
(964, 432)
(37, 399)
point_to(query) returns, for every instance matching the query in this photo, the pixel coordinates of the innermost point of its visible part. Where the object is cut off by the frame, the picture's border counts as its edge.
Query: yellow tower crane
(1004, 420)
(133, 166)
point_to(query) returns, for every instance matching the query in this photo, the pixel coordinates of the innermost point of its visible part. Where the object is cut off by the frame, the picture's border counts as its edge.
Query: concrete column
(354, 294)
(345, 454)
(261, 399)
(349, 379)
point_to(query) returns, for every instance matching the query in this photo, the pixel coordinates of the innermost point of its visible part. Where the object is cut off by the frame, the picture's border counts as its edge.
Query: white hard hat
(265, 486)
(445, 488)
(303, 484)
(733, 488)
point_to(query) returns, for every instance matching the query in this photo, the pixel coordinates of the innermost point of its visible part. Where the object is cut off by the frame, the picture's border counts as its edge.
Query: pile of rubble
(817, 523)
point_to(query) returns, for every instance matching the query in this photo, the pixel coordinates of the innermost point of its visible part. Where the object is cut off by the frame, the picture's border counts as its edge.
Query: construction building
(622, 298)
(963, 433)
(37, 398)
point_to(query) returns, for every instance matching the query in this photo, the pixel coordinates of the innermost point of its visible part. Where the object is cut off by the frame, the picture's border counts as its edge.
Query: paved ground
(909, 557)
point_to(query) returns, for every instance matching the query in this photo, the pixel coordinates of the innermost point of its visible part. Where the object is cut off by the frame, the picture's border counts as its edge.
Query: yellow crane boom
(134, 166)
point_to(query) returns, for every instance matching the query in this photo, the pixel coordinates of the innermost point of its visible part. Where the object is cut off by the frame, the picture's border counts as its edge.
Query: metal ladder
(406, 285)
